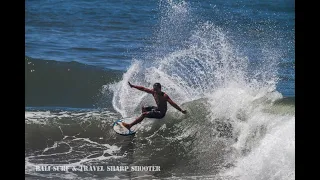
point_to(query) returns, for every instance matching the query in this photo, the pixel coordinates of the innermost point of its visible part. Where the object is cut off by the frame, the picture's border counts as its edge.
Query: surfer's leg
(138, 120)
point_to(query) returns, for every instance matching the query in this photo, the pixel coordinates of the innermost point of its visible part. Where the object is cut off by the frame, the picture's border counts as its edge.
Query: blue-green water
(111, 33)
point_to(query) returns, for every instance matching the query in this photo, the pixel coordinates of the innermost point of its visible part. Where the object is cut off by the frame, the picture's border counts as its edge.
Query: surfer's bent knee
(143, 109)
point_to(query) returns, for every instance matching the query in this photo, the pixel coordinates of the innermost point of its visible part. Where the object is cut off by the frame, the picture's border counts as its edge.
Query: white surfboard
(120, 129)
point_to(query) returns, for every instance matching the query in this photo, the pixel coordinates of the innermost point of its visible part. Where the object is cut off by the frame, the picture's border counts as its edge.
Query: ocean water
(230, 64)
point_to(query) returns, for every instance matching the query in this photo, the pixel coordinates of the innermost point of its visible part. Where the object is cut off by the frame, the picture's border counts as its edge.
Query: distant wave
(70, 84)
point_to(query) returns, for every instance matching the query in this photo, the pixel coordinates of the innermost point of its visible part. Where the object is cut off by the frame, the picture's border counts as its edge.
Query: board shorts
(153, 112)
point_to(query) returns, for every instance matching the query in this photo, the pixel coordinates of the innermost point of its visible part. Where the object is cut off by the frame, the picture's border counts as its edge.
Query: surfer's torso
(161, 101)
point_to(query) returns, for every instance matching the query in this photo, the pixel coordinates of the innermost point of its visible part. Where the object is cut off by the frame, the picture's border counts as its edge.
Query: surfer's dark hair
(157, 85)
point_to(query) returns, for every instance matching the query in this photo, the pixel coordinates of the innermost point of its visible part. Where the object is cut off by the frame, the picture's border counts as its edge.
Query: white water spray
(206, 65)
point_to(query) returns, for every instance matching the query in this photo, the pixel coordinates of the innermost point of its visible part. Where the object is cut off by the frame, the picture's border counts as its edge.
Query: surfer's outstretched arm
(141, 88)
(175, 105)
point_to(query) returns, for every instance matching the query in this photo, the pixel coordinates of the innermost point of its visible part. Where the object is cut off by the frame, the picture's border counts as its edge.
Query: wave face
(210, 142)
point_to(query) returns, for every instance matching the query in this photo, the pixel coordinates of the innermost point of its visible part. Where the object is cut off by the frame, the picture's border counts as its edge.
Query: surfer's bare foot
(126, 125)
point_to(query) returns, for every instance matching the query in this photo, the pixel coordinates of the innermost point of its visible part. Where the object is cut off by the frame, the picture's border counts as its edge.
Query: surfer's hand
(184, 111)
(130, 84)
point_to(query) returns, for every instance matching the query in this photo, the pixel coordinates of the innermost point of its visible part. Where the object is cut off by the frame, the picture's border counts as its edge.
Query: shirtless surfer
(158, 111)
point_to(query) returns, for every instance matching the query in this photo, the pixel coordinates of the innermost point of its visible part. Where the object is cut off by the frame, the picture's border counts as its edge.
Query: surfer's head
(157, 87)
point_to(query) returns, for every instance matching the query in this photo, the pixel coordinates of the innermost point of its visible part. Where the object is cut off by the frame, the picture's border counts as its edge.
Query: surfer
(158, 112)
